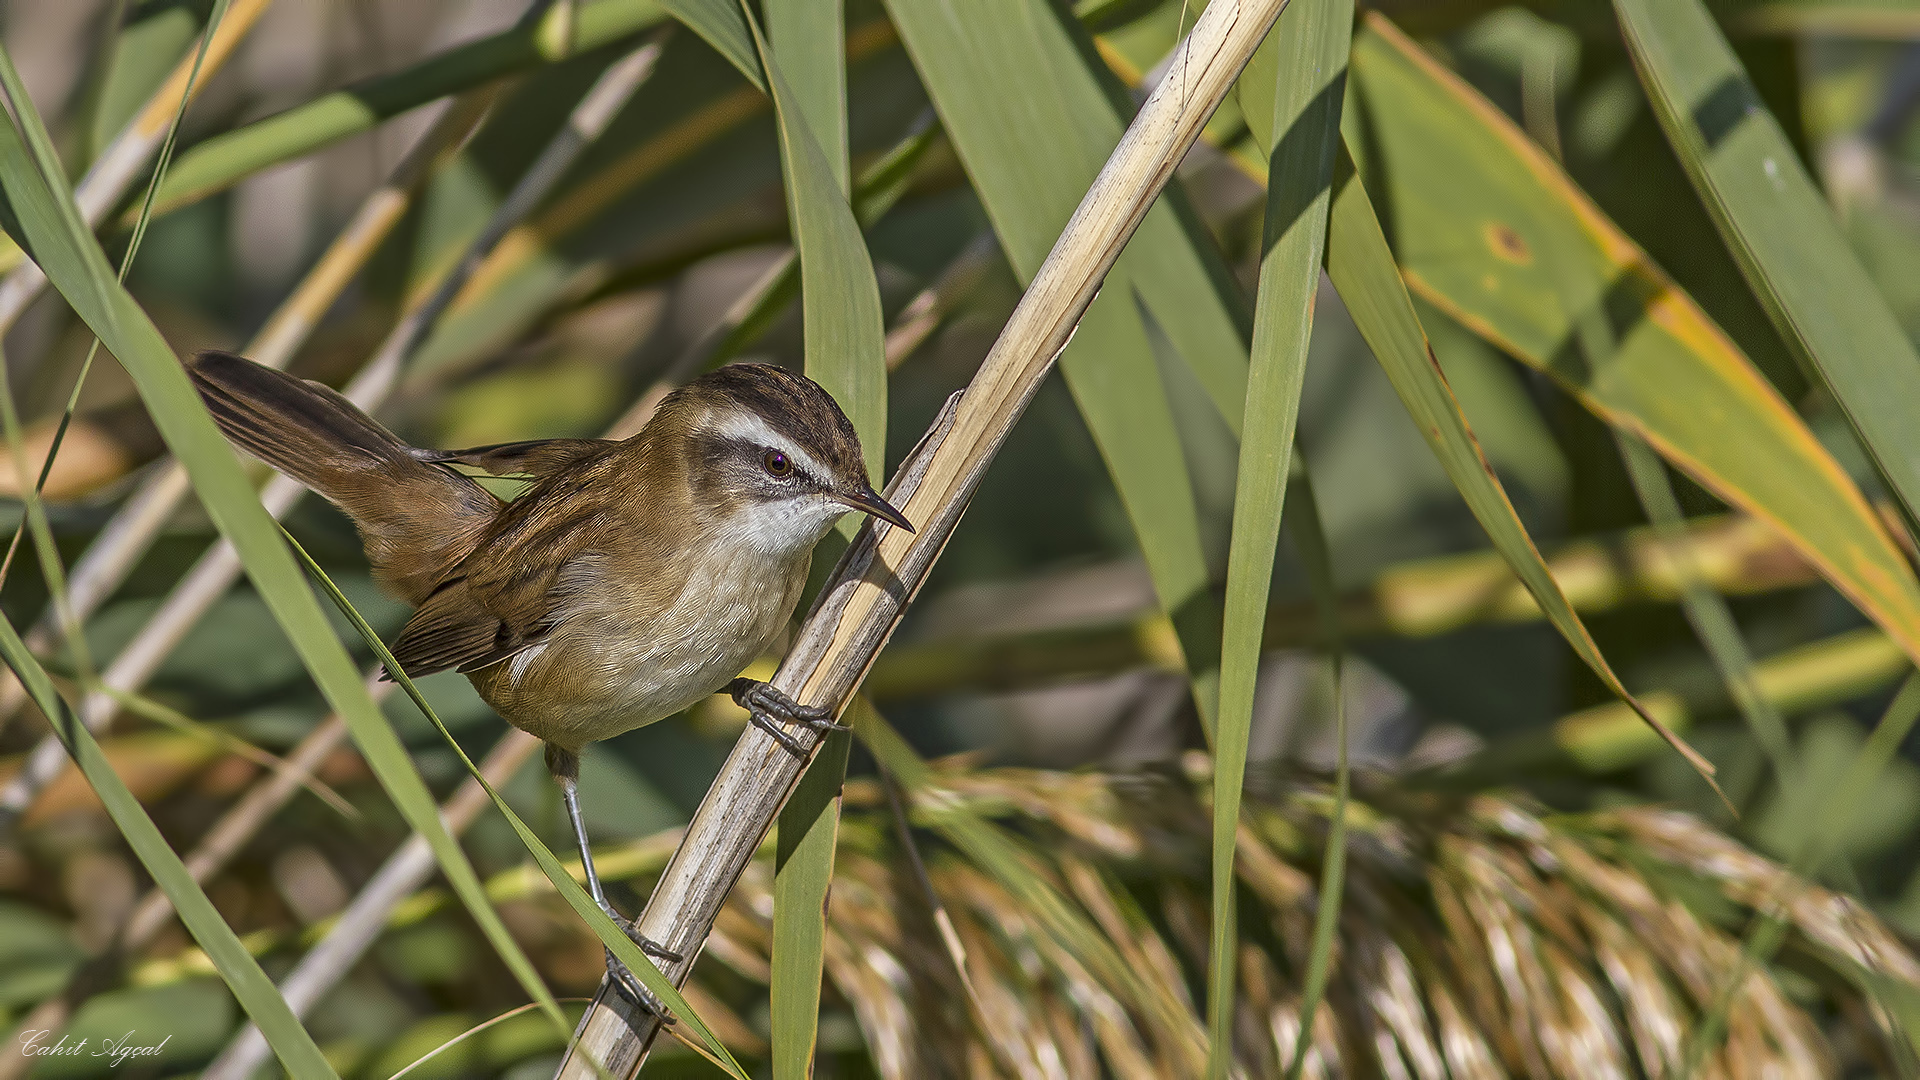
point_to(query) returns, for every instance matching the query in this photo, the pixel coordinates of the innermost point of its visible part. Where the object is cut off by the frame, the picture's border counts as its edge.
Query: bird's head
(771, 455)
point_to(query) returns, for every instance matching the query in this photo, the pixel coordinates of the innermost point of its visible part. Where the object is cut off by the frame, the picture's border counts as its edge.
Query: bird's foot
(633, 990)
(623, 977)
(768, 708)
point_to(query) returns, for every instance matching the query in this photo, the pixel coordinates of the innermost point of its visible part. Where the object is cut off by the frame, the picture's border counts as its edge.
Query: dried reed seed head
(1492, 941)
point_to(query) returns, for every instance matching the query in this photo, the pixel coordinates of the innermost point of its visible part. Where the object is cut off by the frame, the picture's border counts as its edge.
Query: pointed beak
(869, 501)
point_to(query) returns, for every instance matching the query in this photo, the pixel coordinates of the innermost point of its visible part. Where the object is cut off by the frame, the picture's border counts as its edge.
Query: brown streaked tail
(417, 519)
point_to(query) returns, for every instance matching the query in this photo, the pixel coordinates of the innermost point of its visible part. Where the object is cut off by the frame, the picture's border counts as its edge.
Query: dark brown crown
(791, 404)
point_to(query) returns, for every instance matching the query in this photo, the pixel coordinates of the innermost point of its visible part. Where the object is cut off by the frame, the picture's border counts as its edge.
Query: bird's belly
(609, 666)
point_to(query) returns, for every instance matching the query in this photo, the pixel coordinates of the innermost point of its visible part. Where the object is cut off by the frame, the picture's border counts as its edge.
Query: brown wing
(504, 597)
(537, 458)
(450, 629)
(456, 629)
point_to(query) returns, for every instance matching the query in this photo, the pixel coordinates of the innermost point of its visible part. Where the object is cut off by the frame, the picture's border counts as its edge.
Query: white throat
(784, 529)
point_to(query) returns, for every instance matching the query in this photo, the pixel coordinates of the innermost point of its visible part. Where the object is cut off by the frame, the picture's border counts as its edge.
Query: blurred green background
(1034, 643)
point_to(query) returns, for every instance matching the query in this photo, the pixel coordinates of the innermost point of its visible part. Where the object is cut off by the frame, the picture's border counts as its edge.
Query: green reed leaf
(1306, 82)
(810, 38)
(1780, 230)
(1033, 125)
(841, 320)
(808, 831)
(1363, 270)
(1310, 539)
(1493, 232)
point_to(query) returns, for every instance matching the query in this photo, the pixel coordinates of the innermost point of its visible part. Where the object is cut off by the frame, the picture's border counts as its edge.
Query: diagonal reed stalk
(112, 555)
(119, 165)
(216, 571)
(882, 570)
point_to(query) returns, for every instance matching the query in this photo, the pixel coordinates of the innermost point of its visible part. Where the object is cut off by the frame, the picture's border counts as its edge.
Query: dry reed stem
(112, 555)
(115, 170)
(884, 567)
(220, 567)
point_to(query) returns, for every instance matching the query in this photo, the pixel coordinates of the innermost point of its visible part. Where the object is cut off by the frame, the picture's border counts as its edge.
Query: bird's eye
(777, 463)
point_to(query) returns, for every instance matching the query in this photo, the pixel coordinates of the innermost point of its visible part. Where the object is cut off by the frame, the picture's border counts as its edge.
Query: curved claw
(768, 707)
(633, 990)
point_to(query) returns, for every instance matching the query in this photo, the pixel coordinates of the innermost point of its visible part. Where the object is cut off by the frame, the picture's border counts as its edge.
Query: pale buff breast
(618, 659)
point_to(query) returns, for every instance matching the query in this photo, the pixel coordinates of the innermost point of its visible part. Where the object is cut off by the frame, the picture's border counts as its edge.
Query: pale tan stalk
(404, 872)
(112, 555)
(883, 569)
(220, 567)
(115, 170)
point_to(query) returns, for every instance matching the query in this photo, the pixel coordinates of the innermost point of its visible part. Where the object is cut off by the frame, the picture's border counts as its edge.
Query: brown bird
(632, 579)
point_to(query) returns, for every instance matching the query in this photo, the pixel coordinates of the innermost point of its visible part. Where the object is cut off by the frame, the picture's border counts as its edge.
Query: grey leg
(565, 767)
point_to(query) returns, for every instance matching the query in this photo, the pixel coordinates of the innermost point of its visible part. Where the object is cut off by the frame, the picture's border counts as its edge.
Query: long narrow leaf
(1305, 82)
(250, 986)
(1033, 123)
(576, 897)
(810, 38)
(1364, 272)
(1780, 230)
(1494, 233)
(844, 329)
(77, 267)
(808, 831)
(846, 353)
(1033, 128)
